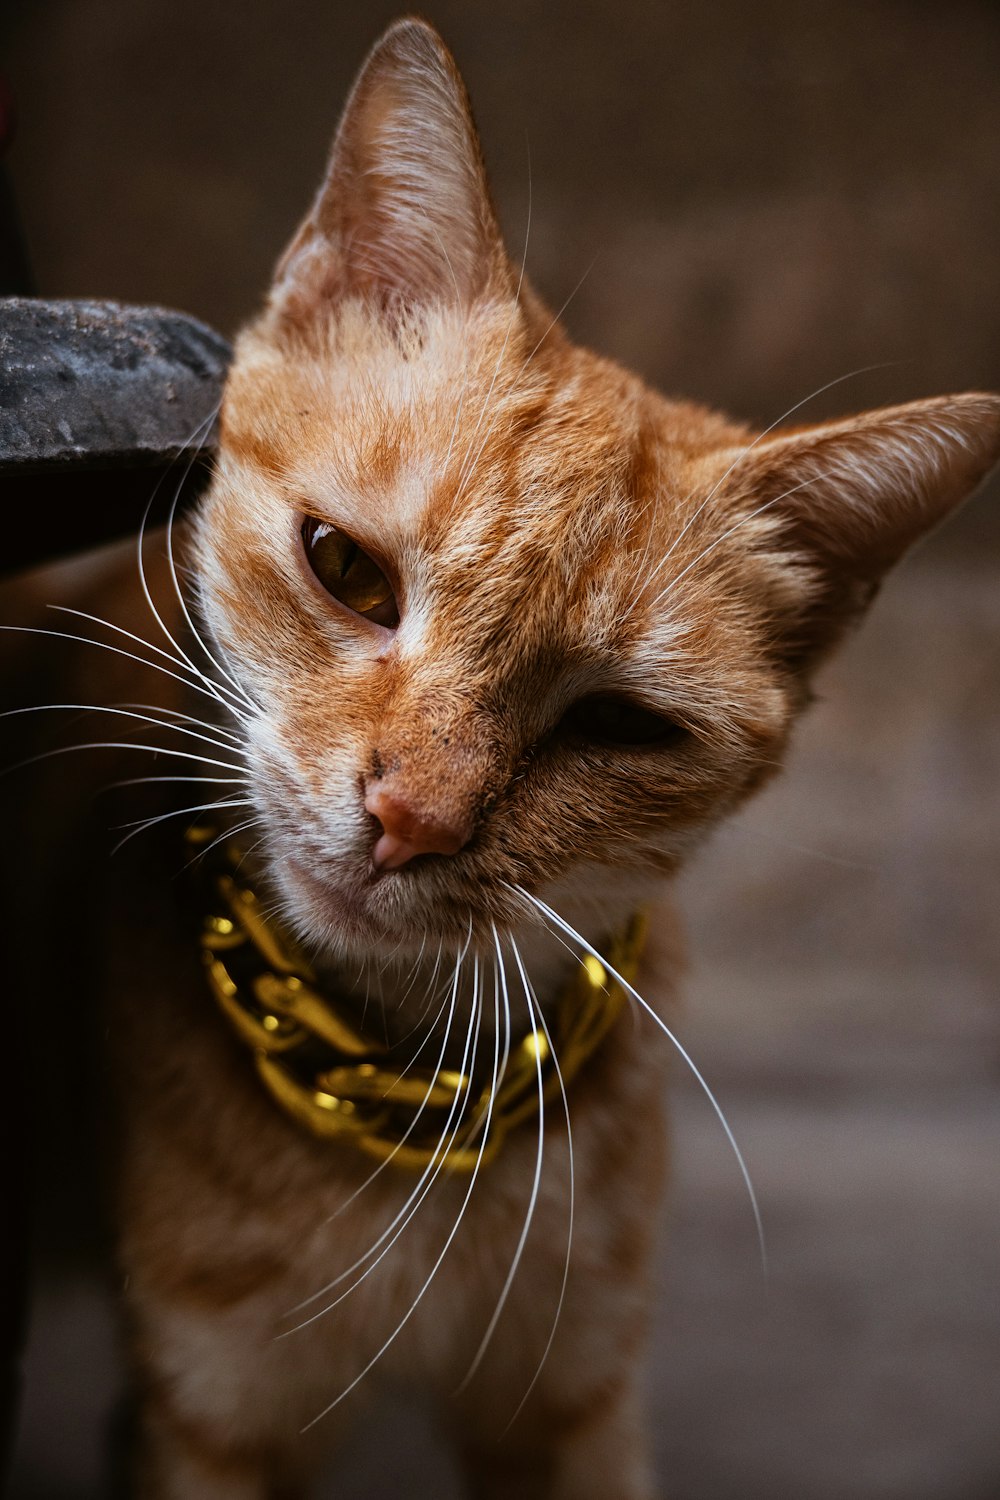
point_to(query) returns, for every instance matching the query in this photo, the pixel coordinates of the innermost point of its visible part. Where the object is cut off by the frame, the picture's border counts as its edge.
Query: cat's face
(508, 616)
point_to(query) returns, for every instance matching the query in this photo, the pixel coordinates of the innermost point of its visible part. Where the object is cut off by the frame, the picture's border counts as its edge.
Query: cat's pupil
(349, 574)
(606, 719)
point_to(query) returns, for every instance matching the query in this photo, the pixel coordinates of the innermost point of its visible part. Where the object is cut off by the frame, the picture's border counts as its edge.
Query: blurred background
(745, 202)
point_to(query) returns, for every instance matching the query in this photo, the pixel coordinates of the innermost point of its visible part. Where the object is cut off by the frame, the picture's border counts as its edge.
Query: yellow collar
(331, 1078)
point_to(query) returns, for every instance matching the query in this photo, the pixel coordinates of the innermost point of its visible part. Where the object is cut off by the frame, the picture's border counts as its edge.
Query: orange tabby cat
(499, 633)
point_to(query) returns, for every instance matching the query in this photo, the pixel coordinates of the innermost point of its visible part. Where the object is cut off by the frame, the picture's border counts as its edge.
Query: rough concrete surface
(99, 383)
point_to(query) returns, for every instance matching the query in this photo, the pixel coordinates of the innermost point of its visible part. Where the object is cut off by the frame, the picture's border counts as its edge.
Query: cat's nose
(407, 832)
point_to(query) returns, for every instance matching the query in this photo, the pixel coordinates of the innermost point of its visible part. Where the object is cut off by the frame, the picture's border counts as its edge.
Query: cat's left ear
(404, 217)
(833, 507)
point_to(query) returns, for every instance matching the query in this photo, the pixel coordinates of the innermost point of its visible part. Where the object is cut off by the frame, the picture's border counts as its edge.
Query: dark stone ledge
(101, 385)
(104, 408)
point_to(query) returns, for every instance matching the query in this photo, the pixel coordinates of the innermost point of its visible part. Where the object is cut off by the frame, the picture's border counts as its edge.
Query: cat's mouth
(399, 908)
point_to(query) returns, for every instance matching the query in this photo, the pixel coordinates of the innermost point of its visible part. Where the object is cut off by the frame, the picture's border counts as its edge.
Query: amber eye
(349, 574)
(605, 719)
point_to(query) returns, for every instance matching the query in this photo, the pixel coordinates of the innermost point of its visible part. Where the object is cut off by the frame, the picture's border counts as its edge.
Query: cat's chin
(350, 919)
(329, 914)
(401, 917)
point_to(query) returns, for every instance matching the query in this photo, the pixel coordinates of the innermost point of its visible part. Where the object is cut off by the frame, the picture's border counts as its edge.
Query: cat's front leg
(596, 1452)
(579, 1432)
(221, 1403)
(177, 1459)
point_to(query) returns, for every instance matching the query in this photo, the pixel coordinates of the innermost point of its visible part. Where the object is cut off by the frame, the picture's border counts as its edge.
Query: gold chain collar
(331, 1078)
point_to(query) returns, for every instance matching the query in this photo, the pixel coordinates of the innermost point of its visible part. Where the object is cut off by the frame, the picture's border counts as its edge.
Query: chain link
(331, 1078)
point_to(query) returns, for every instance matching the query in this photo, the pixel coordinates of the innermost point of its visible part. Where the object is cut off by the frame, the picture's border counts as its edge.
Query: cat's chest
(295, 1251)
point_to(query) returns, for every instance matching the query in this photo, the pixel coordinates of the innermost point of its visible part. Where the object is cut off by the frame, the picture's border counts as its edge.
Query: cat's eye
(349, 574)
(607, 719)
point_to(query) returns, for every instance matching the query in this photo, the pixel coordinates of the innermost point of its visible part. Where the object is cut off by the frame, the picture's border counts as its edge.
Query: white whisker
(412, 973)
(403, 1219)
(444, 1249)
(175, 713)
(238, 689)
(140, 825)
(416, 1197)
(203, 760)
(125, 713)
(571, 932)
(409, 1129)
(241, 781)
(536, 1183)
(231, 833)
(560, 1301)
(198, 685)
(745, 453)
(87, 640)
(743, 521)
(217, 689)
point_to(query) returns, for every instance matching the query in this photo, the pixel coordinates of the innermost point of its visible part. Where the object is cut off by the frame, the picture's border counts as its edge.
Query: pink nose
(406, 833)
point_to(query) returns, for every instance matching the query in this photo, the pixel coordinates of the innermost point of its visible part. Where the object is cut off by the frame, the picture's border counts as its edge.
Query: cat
(491, 635)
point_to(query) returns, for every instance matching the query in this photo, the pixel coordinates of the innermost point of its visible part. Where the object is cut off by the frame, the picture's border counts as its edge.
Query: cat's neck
(447, 997)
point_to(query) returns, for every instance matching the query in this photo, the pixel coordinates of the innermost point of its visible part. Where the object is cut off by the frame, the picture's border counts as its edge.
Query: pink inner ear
(850, 497)
(860, 491)
(404, 215)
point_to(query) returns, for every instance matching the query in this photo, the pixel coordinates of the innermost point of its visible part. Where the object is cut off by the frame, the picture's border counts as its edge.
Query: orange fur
(554, 532)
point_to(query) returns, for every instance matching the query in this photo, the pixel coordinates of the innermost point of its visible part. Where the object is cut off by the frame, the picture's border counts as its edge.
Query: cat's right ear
(832, 507)
(404, 218)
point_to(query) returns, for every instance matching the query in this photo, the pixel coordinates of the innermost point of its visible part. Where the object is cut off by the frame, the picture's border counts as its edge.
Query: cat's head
(509, 616)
